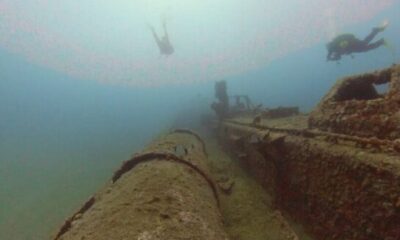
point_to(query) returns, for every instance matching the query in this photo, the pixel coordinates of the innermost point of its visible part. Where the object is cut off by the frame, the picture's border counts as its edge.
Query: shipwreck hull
(336, 170)
(165, 192)
(337, 191)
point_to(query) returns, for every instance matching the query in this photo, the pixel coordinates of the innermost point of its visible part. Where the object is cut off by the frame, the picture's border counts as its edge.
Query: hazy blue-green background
(62, 135)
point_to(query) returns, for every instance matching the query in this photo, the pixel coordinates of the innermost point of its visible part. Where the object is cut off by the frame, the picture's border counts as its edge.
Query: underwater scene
(201, 119)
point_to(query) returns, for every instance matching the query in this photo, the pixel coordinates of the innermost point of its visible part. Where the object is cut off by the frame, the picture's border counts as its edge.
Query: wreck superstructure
(354, 107)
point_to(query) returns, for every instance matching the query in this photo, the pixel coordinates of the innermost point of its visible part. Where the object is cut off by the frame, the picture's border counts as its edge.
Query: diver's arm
(333, 56)
(329, 56)
(336, 57)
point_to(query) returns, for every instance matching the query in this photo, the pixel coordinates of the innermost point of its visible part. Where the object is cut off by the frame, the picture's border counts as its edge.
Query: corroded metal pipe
(164, 192)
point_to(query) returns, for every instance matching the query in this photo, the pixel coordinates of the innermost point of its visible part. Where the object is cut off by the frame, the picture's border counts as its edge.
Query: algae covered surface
(158, 198)
(248, 210)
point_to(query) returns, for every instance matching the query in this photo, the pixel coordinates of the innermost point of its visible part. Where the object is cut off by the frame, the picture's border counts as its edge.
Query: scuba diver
(163, 44)
(346, 44)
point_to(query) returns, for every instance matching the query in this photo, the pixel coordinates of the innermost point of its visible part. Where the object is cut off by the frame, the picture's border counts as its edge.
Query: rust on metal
(128, 165)
(67, 225)
(366, 143)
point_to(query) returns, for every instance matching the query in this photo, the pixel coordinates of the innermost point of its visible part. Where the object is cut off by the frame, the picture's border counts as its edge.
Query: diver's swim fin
(387, 44)
(383, 26)
(390, 47)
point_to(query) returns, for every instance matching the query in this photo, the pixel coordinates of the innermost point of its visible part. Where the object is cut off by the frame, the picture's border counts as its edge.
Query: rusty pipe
(164, 192)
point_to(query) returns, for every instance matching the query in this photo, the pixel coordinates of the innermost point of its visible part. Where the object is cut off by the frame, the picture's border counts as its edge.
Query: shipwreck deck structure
(336, 170)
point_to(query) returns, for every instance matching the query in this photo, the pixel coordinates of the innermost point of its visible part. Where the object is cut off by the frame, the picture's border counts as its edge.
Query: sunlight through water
(109, 41)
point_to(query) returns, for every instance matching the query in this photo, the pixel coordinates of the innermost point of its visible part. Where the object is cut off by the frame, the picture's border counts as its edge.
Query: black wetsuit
(346, 44)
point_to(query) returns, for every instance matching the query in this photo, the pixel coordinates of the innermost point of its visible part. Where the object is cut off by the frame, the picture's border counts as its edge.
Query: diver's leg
(375, 31)
(374, 45)
(371, 36)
